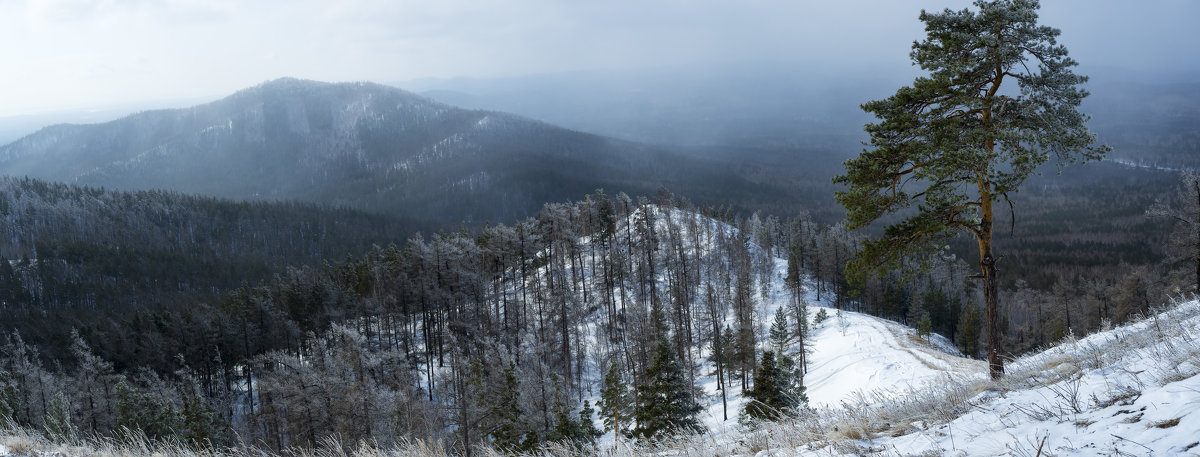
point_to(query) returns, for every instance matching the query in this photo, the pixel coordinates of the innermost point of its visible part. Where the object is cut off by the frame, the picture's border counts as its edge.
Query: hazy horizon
(81, 55)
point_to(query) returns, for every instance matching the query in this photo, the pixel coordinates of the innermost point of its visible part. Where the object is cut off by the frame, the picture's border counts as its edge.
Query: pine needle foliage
(1000, 99)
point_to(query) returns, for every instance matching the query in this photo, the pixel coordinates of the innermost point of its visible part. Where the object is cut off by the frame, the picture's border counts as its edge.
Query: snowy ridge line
(856, 357)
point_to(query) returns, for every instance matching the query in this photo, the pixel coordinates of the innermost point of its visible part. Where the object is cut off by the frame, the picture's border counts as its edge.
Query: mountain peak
(357, 144)
(297, 87)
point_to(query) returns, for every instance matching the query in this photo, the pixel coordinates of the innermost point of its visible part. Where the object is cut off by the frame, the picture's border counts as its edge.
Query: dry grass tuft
(1167, 423)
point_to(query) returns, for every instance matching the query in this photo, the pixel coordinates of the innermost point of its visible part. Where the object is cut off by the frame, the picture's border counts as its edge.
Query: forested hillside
(425, 340)
(492, 337)
(78, 256)
(368, 147)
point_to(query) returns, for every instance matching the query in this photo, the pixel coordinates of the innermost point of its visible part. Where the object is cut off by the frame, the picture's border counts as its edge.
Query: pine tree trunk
(992, 311)
(986, 260)
(991, 294)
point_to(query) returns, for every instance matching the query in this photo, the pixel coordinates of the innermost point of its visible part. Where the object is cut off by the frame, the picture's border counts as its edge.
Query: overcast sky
(81, 54)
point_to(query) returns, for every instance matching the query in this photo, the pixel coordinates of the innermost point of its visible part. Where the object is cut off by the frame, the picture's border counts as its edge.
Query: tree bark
(987, 261)
(991, 298)
(992, 315)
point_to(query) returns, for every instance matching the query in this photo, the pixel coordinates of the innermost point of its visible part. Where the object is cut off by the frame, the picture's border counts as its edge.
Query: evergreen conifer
(665, 403)
(614, 401)
(780, 337)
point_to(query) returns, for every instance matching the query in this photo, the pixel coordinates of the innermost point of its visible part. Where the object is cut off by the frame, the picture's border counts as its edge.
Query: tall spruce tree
(614, 401)
(665, 403)
(508, 432)
(962, 138)
(779, 334)
(664, 399)
(778, 391)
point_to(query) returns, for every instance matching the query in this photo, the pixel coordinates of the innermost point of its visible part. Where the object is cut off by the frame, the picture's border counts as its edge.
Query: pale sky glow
(80, 54)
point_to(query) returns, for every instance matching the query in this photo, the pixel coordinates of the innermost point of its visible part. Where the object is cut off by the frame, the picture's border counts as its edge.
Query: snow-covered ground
(858, 353)
(1131, 391)
(854, 356)
(1128, 391)
(878, 389)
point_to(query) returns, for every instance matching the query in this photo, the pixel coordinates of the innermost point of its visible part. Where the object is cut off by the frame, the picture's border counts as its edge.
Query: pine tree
(766, 395)
(961, 139)
(138, 411)
(731, 354)
(8, 397)
(566, 429)
(665, 403)
(744, 336)
(792, 384)
(925, 325)
(800, 309)
(780, 337)
(792, 280)
(614, 401)
(587, 424)
(820, 317)
(777, 392)
(507, 410)
(967, 336)
(201, 422)
(57, 424)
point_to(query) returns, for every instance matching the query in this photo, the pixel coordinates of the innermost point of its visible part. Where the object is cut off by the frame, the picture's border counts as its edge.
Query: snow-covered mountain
(361, 145)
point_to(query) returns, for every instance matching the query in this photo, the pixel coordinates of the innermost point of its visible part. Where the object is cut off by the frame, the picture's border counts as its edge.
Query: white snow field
(1129, 391)
(854, 357)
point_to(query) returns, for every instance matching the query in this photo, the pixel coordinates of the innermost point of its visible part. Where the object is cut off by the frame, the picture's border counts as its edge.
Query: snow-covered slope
(854, 357)
(1129, 391)
(878, 389)
(1134, 390)
(858, 353)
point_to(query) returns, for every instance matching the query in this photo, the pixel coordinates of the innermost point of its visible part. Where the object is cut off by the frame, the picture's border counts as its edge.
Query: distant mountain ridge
(360, 145)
